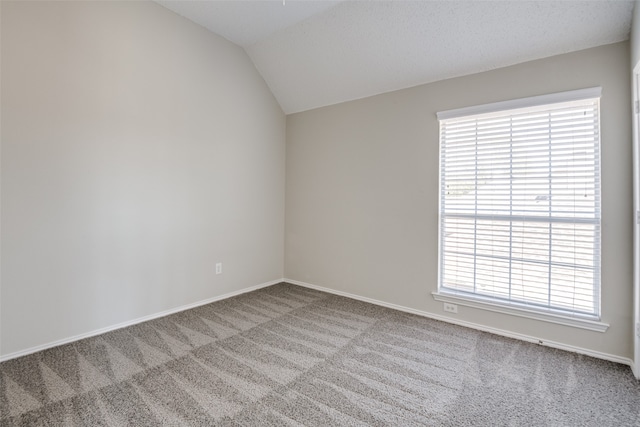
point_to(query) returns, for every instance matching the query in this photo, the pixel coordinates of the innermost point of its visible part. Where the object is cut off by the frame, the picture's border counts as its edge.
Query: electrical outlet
(451, 308)
(638, 330)
(219, 268)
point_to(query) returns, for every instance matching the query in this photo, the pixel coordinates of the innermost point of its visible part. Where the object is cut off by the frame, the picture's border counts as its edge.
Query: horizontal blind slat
(520, 205)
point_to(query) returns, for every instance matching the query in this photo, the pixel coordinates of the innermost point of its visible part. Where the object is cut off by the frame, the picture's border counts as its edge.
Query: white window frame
(548, 314)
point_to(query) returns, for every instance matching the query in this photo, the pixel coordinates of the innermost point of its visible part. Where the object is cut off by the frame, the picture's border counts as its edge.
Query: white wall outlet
(219, 268)
(638, 330)
(451, 308)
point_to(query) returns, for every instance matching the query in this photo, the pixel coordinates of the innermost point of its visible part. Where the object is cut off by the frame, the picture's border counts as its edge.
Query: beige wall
(362, 191)
(635, 58)
(138, 149)
(635, 34)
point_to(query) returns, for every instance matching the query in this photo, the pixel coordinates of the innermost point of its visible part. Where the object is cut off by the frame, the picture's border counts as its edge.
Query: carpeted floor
(290, 356)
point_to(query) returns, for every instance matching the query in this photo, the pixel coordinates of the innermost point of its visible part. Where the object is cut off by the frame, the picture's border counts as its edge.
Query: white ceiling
(317, 53)
(247, 22)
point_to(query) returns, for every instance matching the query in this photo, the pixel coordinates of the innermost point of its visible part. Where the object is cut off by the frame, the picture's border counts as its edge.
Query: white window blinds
(520, 204)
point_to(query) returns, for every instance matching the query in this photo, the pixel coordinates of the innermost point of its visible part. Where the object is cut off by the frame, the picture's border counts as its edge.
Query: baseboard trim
(635, 370)
(479, 327)
(135, 321)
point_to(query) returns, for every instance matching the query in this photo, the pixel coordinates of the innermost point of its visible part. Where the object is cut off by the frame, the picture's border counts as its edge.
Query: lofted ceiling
(318, 53)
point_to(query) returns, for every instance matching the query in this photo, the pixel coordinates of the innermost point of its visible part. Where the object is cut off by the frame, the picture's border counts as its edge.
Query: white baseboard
(502, 332)
(509, 334)
(135, 321)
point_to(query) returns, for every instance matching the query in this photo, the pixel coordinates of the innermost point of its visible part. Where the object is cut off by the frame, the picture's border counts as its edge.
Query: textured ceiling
(313, 54)
(246, 22)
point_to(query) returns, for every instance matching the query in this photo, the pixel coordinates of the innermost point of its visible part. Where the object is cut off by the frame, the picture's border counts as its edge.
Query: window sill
(521, 311)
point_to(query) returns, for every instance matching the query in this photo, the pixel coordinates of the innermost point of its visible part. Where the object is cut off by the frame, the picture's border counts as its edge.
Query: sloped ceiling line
(318, 53)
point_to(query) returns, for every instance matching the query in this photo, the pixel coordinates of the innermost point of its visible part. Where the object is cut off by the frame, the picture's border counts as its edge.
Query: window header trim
(533, 101)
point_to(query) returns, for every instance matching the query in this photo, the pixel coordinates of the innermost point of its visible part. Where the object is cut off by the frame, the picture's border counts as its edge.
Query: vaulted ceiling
(317, 53)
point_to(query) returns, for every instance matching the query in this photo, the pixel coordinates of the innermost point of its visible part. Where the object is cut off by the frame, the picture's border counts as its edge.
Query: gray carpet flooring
(290, 356)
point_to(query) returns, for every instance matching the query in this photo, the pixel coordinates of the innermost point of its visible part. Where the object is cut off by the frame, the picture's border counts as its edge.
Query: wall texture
(138, 149)
(362, 191)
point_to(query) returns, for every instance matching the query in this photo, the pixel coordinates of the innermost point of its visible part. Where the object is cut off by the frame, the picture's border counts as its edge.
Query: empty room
(320, 213)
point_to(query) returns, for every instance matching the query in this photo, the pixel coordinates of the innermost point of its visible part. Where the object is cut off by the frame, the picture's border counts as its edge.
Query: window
(520, 205)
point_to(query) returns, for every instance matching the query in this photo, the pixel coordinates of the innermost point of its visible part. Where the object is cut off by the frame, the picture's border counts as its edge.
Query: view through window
(520, 206)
